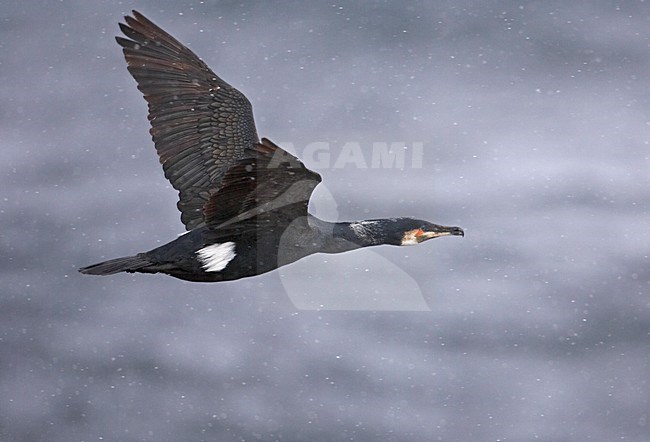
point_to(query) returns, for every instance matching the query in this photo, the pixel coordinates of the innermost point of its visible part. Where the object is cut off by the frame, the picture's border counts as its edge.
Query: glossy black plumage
(243, 200)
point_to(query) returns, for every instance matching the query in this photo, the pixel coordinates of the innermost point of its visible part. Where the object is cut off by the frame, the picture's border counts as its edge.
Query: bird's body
(243, 200)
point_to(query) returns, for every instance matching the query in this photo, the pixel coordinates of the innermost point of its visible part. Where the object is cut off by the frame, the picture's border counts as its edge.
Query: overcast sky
(533, 120)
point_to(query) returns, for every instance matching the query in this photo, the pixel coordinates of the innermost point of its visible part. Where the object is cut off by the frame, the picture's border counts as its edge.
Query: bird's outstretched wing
(269, 180)
(199, 123)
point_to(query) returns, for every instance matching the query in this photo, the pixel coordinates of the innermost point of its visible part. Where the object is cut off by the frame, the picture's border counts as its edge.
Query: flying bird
(243, 200)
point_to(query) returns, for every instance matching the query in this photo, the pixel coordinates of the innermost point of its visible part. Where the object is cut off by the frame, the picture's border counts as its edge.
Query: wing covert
(269, 180)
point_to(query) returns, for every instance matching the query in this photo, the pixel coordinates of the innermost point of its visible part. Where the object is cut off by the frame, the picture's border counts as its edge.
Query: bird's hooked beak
(417, 236)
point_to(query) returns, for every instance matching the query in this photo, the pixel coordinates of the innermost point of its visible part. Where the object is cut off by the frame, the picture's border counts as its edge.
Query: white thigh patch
(216, 256)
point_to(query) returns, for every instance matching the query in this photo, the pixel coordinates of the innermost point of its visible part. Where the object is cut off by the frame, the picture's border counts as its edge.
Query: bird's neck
(365, 233)
(344, 236)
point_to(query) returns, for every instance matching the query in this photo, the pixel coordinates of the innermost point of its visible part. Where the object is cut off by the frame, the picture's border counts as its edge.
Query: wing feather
(200, 124)
(269, 180)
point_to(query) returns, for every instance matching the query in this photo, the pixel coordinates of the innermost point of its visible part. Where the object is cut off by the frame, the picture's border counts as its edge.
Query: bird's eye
(423, 227)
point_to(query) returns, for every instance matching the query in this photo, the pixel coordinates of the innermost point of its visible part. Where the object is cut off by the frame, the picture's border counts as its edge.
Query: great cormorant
(242, 200)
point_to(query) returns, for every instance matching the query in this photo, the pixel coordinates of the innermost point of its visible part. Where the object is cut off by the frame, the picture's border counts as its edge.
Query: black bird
(242, 200)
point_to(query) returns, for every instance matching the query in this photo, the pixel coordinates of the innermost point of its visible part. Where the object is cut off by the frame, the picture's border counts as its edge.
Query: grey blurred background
(536, 130)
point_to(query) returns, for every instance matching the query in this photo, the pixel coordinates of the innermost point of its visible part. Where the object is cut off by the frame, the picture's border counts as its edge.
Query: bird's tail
(125, 264)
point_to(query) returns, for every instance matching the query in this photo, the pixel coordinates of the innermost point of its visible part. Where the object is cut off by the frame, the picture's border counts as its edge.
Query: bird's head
(409, 231)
